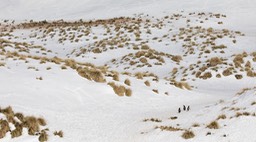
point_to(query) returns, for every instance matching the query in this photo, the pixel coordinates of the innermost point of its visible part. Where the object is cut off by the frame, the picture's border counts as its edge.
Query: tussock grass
(168, 128)
(213, 125)
(222, 116)
(43, 137)
(58, 133)
(127, 82)
(188, 134)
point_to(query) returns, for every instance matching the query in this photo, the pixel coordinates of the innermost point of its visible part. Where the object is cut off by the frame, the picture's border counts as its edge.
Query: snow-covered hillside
(108, 70)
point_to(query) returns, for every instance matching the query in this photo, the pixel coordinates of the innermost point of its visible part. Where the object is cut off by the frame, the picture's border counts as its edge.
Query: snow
(89, 111)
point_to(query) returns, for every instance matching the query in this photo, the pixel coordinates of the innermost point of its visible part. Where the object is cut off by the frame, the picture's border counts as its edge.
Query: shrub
(188, 134)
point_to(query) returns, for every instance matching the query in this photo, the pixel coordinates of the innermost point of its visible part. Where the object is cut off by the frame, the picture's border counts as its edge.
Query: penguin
(188, 108)
(184, 107)
(179, 110)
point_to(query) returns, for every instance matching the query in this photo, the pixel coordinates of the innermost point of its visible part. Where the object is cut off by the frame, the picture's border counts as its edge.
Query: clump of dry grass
(139, 75)
(206, 75)
(152, 120)
(147, 83)
(128, 92)
(219, 47)
(4, 127)
(188, 134)
(182, 85)
(91, 74)
(168, 128)
(196, 125)
(227, 72)
(43, 137)
(58, 133)
(155, 90)
(17, 132)
(215, 61)
(253, 103)
(222, 116)
(127, 82)
(32, 124)
(2, 64)
(176, 58)
(41, 121)
(120, 90)
(213, 125)
(71, 63)
(116, 77)
(238, 76)
(20, 116)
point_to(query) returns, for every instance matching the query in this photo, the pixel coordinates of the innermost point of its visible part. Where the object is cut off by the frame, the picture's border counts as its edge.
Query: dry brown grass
(196, 125)
(116, 77)
(147, 83)
(206, 75)
(213, 125)
(215, 61)
(41, 121)
(188, 134)
(43, 137)
(127, 82)
(139, 75)
(128, 92)
(176, 58)
(168, 128)
(91, 74)
(17, 132)
(222, 116)
(58, 133)
(182, 85)
(119, 89)
(238, 76)
(227, 72)
(2, 64)
(155, 90)
(32, 124)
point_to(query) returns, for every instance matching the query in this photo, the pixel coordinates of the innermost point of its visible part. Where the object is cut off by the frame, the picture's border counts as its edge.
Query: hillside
(120, 71)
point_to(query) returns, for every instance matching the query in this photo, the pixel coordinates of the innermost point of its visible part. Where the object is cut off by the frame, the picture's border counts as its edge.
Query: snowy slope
(86, 110)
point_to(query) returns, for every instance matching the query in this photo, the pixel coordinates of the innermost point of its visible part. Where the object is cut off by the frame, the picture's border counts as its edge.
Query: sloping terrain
(128, 70)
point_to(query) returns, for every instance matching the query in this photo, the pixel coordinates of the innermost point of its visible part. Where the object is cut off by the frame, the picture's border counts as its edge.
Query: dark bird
(184, 107)
(179, 110)
(188, 108)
